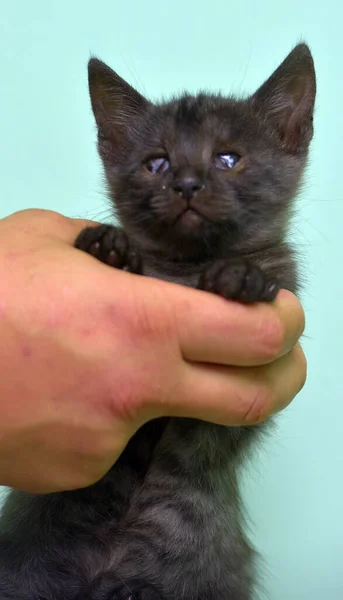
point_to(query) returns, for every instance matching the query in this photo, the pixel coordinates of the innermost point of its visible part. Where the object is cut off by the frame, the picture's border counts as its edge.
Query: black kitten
(203, 187)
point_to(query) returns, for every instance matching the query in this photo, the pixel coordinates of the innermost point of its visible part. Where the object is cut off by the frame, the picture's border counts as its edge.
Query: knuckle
(40, 216)
(153, 321)
(271, 337)
(46, 223)
(126, 402)
(147, 325)
(257, 405)
(126, 398)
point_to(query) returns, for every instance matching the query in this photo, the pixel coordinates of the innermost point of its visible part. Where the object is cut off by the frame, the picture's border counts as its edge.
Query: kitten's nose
(188, 185)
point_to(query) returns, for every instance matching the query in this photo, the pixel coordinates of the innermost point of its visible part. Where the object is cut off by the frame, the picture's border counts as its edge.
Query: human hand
(90, 353)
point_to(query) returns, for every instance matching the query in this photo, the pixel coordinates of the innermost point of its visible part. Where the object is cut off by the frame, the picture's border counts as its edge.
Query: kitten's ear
(286, 99)
(116, 105)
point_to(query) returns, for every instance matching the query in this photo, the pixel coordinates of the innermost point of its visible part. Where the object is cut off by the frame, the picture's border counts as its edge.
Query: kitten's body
(166, 521)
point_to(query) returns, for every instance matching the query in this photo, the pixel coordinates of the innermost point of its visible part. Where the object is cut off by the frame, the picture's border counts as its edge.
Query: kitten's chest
(187, 279)
(277, 262)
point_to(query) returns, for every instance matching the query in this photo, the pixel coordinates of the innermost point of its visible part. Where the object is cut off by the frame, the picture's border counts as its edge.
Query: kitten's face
(198, 173)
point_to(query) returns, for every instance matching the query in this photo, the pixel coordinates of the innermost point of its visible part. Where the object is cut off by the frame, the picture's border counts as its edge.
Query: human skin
(89, 353)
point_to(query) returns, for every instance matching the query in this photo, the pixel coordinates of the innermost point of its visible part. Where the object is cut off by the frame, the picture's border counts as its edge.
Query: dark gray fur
(166, 521)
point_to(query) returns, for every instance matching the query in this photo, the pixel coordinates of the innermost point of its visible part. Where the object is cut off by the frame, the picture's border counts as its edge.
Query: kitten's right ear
(116, 105)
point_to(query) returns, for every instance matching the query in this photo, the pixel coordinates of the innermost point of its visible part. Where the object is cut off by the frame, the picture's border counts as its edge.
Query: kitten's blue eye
(160, 164)
(226, 161)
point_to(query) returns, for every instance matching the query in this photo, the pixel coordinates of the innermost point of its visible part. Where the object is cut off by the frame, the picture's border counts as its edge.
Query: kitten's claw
(111, 246)
(238, 279)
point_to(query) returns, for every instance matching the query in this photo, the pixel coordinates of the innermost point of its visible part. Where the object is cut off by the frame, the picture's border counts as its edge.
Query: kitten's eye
(160, 164)
(226, 161)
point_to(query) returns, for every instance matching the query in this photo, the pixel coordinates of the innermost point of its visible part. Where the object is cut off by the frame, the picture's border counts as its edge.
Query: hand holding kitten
(74, 332)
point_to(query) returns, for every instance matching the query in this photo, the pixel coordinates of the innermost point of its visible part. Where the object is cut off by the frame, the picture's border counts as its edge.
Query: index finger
(43, 222)
(215, 330)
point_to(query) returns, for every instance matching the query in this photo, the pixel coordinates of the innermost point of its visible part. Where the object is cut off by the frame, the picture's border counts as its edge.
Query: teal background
(48, 159)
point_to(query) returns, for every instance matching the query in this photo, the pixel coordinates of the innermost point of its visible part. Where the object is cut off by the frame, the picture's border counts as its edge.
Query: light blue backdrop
(48, 159)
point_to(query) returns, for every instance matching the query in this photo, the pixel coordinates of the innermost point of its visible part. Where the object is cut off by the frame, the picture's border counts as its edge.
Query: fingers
(238, 396)
(49, 223)
(214, 330)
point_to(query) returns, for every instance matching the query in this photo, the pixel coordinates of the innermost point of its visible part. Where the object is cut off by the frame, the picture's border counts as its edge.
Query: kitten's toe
(134, 262)
(111, 246)
(238, 280)
(106, 243)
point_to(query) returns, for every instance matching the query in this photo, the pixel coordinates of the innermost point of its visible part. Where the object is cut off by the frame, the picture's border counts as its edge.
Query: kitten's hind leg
(111, 246)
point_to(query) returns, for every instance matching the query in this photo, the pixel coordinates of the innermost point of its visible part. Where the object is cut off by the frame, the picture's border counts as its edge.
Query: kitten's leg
(184, 530)
(238, 279)
(111, 246)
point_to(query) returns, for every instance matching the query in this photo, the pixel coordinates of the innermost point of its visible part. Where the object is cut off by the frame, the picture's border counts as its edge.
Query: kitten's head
(197, 173)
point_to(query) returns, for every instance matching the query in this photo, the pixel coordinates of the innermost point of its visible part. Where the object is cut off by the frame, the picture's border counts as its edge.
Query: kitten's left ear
(286, 99)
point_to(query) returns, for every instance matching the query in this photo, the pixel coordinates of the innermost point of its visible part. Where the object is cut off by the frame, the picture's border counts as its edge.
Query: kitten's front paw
(238, 279)
(110, 245)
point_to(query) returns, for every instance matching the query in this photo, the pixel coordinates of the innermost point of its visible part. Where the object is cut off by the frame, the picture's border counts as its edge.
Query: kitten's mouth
(189, 219)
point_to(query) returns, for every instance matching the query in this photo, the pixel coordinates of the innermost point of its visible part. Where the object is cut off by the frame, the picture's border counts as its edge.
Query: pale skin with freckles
(75, 385)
